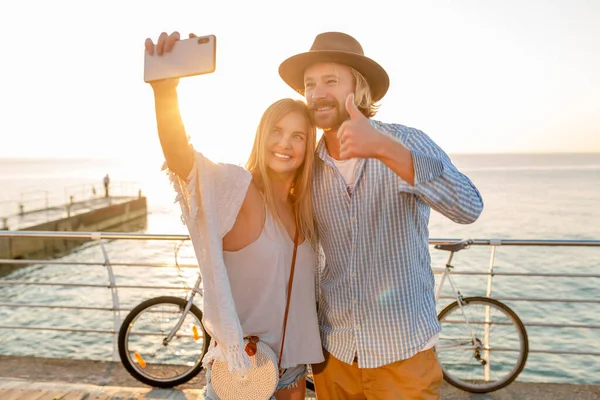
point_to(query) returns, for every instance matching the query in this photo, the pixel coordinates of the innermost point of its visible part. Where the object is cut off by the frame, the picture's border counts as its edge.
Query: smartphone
(189, 57)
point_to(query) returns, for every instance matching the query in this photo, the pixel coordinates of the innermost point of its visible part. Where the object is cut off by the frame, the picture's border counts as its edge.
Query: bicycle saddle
(454, 247)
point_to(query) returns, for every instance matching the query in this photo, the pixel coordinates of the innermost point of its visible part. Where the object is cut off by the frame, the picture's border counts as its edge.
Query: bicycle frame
(459, 299)
(195, 290)
(446, 275)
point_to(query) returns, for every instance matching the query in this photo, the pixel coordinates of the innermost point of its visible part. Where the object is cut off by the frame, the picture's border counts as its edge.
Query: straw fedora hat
(338, 48)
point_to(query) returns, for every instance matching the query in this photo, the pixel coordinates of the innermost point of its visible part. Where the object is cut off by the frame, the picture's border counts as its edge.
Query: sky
(477, 76)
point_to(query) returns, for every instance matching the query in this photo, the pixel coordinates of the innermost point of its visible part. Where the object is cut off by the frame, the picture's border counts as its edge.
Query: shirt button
(353, 275)
(357, 328)
(353, 219)
(355, 301)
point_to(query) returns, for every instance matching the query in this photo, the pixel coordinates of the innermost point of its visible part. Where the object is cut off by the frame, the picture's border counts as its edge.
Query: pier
(124, 209)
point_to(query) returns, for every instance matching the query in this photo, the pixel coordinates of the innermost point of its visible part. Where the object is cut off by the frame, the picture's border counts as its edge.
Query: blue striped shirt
(376, 295)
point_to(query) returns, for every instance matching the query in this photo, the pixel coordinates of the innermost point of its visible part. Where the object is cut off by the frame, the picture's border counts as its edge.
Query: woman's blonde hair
(301, 192)
(362, 95)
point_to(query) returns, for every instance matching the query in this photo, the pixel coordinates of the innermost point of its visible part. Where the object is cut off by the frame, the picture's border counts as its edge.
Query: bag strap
(289, 294)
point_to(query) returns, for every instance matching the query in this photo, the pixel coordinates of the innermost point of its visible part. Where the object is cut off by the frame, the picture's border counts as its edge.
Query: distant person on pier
(106, 184)
(243, 224)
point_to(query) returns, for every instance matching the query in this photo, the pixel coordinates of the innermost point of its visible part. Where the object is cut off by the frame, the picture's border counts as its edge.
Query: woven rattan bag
(260, 382)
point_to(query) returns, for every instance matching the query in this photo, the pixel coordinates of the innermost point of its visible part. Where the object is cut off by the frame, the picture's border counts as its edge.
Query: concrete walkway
(28, 378)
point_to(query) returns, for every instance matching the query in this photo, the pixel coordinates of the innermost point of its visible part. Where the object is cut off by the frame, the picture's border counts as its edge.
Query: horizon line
(123, 157)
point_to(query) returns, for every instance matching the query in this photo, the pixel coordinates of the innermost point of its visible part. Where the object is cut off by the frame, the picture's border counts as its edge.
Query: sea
(526, 196)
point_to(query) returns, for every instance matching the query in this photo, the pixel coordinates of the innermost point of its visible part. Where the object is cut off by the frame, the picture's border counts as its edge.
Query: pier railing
(102, 238)
(35, 201)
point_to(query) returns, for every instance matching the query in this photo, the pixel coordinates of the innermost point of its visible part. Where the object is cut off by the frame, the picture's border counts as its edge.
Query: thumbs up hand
(358, 138)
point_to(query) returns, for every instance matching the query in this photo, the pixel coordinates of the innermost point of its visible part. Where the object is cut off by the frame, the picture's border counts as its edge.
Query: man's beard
(330, 122)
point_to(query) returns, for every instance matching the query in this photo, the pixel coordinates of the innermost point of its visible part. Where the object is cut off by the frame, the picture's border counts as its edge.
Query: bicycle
(162, 340)
(483, 333)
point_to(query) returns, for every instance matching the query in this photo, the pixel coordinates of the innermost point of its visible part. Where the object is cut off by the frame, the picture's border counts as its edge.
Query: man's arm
(426, 167)
(417, 160)
(397, 157)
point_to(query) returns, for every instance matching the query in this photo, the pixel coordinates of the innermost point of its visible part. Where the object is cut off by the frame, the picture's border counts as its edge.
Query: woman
(246, 220)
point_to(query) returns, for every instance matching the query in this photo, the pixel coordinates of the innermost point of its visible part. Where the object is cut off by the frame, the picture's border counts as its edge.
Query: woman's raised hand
(163, 45)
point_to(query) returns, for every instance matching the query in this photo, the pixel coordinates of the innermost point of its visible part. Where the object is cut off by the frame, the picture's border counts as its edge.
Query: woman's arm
(179, 154)
(171, 132)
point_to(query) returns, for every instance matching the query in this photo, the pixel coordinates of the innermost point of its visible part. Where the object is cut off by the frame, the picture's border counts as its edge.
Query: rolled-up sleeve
(439, 183)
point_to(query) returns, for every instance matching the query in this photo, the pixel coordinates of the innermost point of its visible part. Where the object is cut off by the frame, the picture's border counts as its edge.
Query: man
(374, 186)
(106, 182)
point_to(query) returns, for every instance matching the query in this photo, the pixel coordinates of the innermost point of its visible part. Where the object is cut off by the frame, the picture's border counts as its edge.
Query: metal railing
(103, 237)
(35, 201)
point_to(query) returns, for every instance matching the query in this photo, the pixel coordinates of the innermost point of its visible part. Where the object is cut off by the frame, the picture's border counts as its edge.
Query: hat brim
(292, 69)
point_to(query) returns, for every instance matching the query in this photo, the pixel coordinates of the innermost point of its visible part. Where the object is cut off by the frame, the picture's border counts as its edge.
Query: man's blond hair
(362, 95)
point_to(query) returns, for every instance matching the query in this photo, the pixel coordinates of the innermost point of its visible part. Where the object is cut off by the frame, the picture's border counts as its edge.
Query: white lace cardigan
(210, 201)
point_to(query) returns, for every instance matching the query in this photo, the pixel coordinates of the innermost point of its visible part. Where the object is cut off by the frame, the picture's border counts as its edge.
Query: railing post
(115, 297)
(488, 293)
(493, 243)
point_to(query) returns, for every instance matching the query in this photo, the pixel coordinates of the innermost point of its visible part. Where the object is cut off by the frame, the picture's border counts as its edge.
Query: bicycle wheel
(143, 349)
(483, 345)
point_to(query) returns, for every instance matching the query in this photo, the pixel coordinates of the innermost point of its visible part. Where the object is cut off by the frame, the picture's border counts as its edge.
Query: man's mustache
(322, 103)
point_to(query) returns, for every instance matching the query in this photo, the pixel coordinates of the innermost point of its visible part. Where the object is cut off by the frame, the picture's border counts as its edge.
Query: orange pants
(416, 378)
